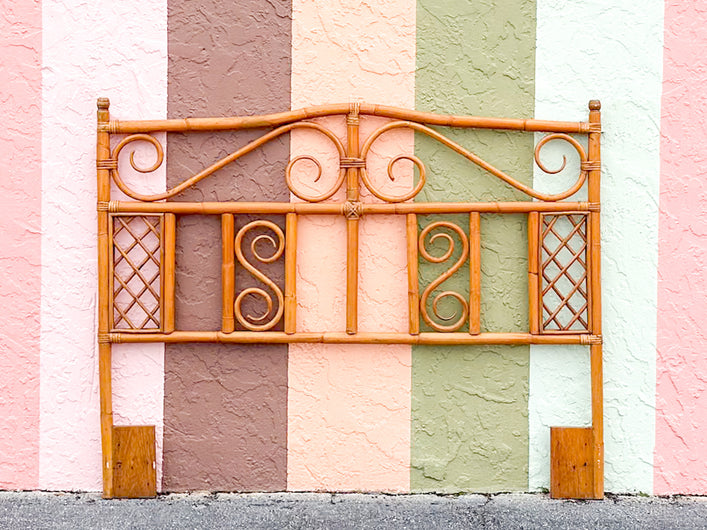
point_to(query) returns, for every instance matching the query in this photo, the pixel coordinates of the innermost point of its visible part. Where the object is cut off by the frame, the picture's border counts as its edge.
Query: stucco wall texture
(89, 49)
(470, 428)
(370, 418)
(681, 402)
(20, 242)
(225, 405)
(349, 405)
(570, 72)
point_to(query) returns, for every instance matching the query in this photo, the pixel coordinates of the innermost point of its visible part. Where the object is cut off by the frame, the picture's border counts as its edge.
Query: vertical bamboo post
(594, 195)
(413, 284)
(352, 196)
(291, 273)
(169, 234)
(104, 257)
(474, 273)
(534, 313)
(228, 272)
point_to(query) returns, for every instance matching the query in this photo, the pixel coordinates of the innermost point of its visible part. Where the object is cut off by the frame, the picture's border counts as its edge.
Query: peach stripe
(681, 400)
(20, 242)
(349, 406)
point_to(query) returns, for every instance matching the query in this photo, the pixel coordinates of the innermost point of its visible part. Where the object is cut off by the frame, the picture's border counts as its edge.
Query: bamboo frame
(413, 286)
(124, 255)
(383, 111)
(291, 273)
(168, 263)
(596, 355)
(281, 208)
(332, 337)
(534, 312)
(104, 310)
(352, 172)
(228, 273)
(474, 273)
(575, 232)
(352, 224)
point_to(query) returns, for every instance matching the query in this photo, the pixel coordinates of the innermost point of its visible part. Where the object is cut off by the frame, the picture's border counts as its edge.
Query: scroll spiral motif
(116, 152)
(473, 158)
(251, 322)
(459, 322)
(227, 160)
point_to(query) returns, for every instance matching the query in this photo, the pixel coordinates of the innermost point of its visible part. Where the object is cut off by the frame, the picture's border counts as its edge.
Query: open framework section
(137, 259)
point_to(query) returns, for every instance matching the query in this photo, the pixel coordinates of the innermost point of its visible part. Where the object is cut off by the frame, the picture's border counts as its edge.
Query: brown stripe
(225, 405)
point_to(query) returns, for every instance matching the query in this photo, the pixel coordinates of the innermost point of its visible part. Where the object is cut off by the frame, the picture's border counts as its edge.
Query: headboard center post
(352, 196)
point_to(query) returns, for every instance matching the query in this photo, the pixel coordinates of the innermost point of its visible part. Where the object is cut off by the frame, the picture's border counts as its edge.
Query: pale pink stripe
(681, 415)
(349, 406)
(20, 242)
(91, 49)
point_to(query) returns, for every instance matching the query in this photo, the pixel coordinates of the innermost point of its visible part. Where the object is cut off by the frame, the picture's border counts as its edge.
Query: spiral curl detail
(582, 158)
(456, 321)
(259, 323)
(473, 158)
(116, 152)
(235, 155)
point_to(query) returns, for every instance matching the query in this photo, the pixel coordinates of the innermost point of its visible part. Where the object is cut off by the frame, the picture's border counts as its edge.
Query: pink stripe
(20, 243)
(681, 415)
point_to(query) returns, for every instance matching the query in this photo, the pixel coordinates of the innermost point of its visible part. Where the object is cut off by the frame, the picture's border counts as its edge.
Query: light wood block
(571, 469)
(134, 469)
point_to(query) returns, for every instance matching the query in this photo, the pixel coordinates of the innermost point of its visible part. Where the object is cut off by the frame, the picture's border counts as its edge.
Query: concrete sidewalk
(23, 510)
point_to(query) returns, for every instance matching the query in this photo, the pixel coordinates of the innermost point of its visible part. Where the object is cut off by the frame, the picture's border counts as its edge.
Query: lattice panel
(137, 264)
(564, 273)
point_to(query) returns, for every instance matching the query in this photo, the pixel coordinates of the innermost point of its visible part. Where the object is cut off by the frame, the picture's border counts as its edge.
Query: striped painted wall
(355, 417)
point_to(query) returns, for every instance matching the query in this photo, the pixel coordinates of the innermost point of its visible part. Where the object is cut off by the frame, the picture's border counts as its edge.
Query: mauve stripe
(225, 405)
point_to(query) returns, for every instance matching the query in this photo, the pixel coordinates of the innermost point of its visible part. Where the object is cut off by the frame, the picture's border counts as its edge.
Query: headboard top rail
(365, 109)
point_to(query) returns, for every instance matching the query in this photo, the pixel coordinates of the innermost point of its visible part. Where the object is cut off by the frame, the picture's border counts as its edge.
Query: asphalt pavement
(39, 510)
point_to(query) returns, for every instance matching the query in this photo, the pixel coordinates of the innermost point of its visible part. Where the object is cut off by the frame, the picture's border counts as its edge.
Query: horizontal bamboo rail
(339, 208)
(365, 109)
(279, 337)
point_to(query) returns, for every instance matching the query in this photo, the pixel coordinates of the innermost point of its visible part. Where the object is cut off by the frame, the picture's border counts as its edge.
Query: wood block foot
(134, 469)
(572, 470)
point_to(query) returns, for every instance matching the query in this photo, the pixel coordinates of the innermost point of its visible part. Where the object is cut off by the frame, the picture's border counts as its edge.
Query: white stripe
(612, 51)
(90, 49)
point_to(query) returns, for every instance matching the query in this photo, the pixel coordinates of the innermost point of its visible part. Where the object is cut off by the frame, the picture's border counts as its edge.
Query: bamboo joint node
(589, 340)
(353, 117)
(352, 209)
(352, 162)
(109, 163)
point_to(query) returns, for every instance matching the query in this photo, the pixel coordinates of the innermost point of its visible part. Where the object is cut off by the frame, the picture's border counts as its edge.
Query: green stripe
(469, 404)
